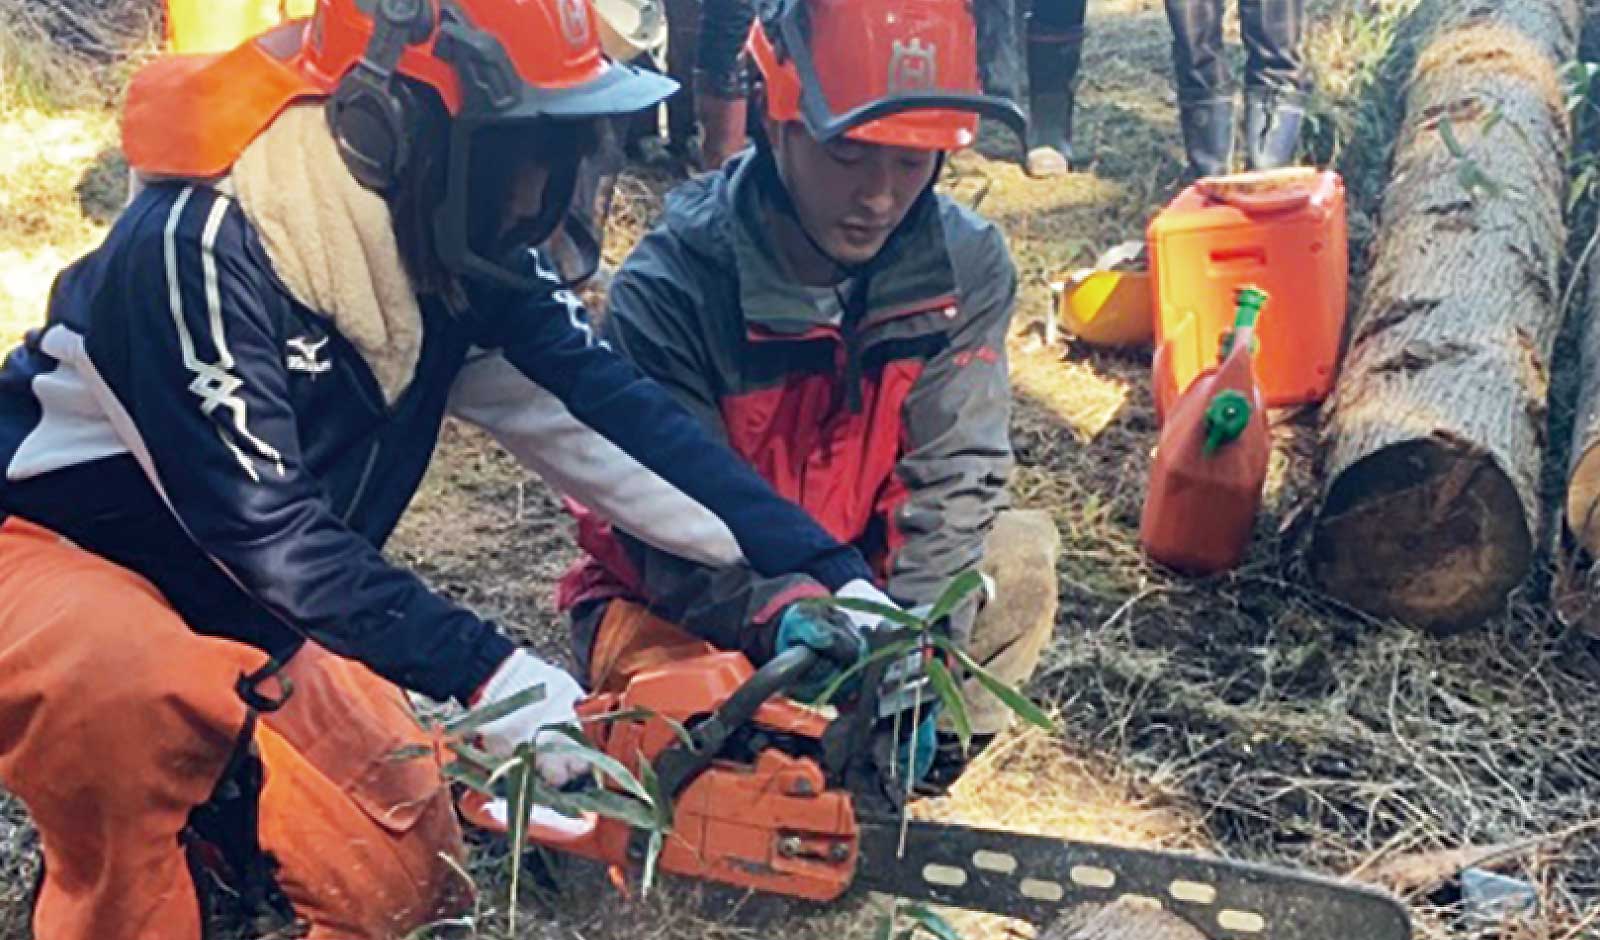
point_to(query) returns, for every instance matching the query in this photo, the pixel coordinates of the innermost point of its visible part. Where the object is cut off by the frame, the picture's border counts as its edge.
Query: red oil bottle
(1211, 460)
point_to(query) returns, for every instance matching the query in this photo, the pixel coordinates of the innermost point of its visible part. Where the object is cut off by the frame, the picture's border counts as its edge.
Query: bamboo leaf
(652, 858)
(944, 685)
(476, 756)
(958, 590)
(409, 752)
(899, 648)
(607, 803)
(660, 799)
(1013, 699)
(1447, 133)
(925, 918)
(642, 714)
(894, 615)
(603, 763)
(478, 717)
(470, 776)
(521, 777)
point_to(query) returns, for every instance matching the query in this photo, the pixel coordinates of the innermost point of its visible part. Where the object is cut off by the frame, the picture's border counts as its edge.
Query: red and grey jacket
(181, 414)
(884, 414)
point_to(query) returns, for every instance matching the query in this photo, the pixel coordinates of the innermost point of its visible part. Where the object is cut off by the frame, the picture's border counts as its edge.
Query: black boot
(1052, 87)
(1272, 122)
(1208, 135)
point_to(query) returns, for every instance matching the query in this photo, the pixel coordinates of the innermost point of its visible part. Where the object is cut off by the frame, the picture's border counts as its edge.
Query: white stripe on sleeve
(547, 438)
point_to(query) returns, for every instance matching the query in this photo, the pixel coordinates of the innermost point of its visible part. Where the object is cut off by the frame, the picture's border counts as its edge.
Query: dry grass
(1245, 714)
(61, 66)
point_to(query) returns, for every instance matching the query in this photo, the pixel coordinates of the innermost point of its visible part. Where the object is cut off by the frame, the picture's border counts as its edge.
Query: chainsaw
(777, 797)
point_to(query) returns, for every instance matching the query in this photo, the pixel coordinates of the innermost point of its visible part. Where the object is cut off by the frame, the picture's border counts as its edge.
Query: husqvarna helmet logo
(913, 66)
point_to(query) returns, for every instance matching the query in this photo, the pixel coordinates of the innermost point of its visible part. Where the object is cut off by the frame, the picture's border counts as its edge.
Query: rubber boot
(1208, 135)
(1272, 122)
(1052, 87)
(722, 124)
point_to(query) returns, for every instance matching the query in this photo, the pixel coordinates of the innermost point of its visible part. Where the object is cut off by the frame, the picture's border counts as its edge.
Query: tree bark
(1435, 434)
(1120, 921)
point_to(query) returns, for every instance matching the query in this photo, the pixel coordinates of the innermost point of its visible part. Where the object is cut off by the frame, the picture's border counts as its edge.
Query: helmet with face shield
(522, 83)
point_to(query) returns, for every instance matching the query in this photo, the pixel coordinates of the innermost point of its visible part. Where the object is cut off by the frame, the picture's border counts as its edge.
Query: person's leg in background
(683, 39)
(719, 82)
(1205, 89)
(1274, 98)
(999, 61)
(1055, 50)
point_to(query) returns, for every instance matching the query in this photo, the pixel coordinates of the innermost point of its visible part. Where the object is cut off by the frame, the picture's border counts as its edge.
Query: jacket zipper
(366, 477)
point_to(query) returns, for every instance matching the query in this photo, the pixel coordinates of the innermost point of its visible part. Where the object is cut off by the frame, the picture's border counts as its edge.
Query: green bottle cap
(1226, 418)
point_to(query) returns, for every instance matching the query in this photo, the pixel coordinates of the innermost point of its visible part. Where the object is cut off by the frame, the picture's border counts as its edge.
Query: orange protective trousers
(116, 720)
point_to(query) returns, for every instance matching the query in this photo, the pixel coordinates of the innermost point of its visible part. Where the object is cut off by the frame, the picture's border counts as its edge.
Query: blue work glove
(837, 641)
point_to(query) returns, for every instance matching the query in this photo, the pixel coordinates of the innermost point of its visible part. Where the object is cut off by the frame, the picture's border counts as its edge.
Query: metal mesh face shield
(490, 224)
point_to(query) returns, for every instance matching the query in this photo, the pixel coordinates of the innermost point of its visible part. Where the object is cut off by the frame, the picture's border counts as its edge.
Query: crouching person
(821, 309)
(202, 650)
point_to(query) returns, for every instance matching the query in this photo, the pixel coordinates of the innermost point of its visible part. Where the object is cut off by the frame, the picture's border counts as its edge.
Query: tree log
(1583, 481)
(1436, 432)
(1119, 921)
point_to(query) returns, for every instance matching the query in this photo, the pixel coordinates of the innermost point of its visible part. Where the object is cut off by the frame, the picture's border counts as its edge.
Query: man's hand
(537, 721)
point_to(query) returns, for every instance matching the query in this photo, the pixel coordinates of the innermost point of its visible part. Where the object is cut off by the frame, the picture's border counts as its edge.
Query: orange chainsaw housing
(772, 825)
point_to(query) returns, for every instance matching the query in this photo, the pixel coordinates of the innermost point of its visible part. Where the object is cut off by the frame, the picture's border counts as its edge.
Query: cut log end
(1426, 532)
(1119, 921)
(1583, 499)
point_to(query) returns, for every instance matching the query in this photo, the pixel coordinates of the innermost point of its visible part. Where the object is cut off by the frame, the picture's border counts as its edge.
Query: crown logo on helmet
(913, 66)
(575, 22)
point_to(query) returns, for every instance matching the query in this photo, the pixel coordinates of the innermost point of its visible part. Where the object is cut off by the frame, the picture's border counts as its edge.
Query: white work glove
(534, 722)
(863, 590)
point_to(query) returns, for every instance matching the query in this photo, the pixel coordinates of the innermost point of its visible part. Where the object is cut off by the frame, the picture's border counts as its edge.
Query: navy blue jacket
(182, 415)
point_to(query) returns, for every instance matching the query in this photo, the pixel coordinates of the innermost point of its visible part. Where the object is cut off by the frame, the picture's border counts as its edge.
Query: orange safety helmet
(491, 62)
(902, 73)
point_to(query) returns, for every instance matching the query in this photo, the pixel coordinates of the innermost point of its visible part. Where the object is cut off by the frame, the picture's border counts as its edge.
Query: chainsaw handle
(781, 673)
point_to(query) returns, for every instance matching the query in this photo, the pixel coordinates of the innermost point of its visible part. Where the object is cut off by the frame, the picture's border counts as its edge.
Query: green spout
(1248, 311)
(1251, 300)
(1226, 418)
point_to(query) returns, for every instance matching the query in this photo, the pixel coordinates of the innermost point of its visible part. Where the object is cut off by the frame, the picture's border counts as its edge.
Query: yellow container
(1109, 308)
(200, 26)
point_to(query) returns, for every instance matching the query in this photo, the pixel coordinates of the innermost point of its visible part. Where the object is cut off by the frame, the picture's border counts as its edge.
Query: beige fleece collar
(331, 242)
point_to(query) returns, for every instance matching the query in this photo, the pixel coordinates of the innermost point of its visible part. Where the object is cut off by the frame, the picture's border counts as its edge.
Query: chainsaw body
(759, 815)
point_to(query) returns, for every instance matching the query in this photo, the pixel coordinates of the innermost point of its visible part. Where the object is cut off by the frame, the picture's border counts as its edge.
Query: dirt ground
(1245, 715)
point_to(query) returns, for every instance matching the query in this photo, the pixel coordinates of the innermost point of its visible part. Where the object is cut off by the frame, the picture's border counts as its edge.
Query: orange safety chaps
(116, 721)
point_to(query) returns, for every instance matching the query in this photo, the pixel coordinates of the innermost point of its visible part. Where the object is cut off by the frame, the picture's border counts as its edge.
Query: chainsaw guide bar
(1038, 878)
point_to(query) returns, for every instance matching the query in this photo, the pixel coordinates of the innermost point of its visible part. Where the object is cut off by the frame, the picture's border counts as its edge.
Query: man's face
(850, 195)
